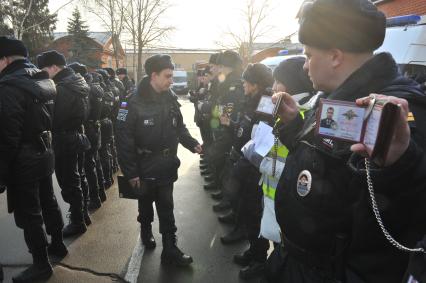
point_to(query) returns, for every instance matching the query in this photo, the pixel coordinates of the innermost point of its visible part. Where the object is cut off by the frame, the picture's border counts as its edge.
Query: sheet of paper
(263, 139)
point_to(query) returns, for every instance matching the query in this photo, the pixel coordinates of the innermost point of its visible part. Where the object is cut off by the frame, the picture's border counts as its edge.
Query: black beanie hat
(50, 58)
(291, 74)
(104, 74)
(258, 74)
(157, 63)
(213, 58)
(78, 68)
(350, 25)
(121, 71)
(12, 47)
(110, 72)
(230, 59)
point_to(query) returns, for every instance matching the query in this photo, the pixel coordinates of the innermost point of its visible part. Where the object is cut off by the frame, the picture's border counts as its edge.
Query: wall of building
(184, 60)
(402, 7)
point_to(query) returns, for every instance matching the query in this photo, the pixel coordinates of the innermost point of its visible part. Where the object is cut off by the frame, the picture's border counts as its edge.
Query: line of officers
(55, 118)
(225, 111)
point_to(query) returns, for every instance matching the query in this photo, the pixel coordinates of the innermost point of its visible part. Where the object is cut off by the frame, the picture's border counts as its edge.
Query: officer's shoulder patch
(122, 114)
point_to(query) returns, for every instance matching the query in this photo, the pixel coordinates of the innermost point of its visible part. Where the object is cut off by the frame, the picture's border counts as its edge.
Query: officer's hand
(198, 149)
(288, 109)
(401, 137)
(224, 120)
(135, 183)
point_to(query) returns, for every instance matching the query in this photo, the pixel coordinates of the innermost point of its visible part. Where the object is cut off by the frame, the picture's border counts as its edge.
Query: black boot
(102, 195)
(39, 270)
(244, 258)
(217, 195)
(209, 178)
(228, 218)
(147, 238)
(253, 270)
(1, 273)
(172, 254)
(221, 206)
(77, 225)
(57, 247)
(235, 236)
(94, 203)
(86, 215)
(210, 186)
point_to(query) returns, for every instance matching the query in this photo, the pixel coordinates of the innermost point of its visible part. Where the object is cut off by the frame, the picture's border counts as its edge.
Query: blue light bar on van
(282, 52)
(403, 20)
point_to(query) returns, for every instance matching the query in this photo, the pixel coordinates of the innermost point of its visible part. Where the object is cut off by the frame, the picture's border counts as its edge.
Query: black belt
(164, 152)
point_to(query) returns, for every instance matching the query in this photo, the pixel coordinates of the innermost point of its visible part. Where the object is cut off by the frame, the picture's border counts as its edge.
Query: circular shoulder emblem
(304, 183)
(240, 132)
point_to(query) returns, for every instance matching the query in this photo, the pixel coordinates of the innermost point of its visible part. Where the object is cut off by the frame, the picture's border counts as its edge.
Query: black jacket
(338, 202)
(26, 104)
(71, 110)
(147, 125)
(95, 98)
(129, 86)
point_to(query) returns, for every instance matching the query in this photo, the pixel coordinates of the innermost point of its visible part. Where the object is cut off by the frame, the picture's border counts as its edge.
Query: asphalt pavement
(110, 250)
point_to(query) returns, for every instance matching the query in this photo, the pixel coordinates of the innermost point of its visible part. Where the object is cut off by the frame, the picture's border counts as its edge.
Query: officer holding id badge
(334, 224)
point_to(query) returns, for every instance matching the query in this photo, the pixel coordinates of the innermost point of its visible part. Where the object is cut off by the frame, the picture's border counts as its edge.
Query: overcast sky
(201, 23)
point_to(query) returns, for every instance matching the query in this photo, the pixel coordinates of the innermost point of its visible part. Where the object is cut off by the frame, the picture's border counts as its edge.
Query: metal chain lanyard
(378, 217)
(275, 152)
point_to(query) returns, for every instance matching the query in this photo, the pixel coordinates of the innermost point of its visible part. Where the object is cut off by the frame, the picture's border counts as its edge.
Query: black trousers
(91, 173)
(83, 179)
(162, 195)
(105, 151)
(66, 169)
(35, 204)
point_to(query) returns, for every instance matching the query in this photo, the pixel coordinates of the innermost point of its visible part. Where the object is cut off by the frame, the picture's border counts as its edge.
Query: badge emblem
(304, 183)
(240, 132)
(148, 122)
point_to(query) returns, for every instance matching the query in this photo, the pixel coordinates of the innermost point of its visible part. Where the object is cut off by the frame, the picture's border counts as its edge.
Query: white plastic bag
(269, 228)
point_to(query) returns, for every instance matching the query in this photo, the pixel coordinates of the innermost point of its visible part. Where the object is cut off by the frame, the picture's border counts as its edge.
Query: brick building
(99, 47)
(394, 8)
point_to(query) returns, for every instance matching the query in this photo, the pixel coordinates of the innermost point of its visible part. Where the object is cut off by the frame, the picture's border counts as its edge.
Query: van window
(179, 79)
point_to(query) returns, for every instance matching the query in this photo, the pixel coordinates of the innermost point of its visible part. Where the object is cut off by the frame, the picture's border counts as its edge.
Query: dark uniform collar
(15, 66)
(66, 72)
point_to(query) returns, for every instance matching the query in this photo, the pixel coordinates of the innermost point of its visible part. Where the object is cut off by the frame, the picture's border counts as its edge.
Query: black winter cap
(103, 73)
(110, 72)
(291, 74)
(213, 58)
(12, 47)
(350, 25)
(121, 71)
(230, 59)
(258, 74)
(157, 63)
(78, 68)
(49, 58)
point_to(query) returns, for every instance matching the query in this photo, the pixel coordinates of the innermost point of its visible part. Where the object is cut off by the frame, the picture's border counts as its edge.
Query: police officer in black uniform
(149, 130)
(228, 106)
(247, 195)
(129, 86)
(109, 100)
(26, 156)
(93, 131)
(71, 111)
(329, 230)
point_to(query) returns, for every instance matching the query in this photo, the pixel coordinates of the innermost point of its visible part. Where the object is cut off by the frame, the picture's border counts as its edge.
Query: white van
(407, 44)
(180, 82)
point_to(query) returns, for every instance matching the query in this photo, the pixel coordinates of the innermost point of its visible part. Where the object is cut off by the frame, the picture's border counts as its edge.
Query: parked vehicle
(180, 82)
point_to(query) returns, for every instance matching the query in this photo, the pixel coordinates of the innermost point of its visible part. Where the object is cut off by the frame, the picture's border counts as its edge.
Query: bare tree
(111, 14)
(254, 15)
(143, 22)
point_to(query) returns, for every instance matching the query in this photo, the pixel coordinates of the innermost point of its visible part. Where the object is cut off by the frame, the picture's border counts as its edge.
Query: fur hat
(258, 74)
(230, 59)
(78, 68)
(350, 25)
(121, 71)
(157, 63)
(49, 58)
(10, 47)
